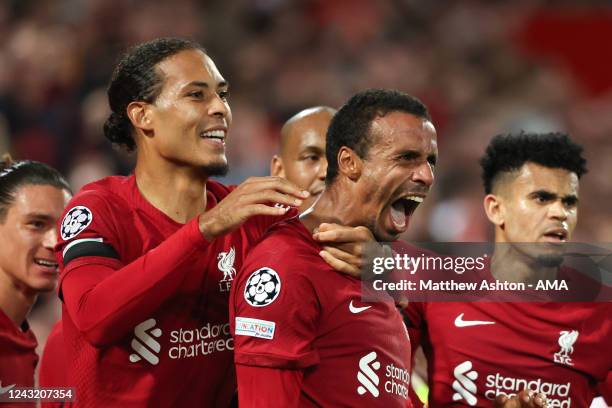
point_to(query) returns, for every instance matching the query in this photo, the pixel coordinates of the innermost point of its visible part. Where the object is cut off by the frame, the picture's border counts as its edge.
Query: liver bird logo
(566, 342)
(226, 264)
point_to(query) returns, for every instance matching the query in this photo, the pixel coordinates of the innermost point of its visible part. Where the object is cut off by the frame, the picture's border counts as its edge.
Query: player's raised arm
(108, 295)
(105, 294)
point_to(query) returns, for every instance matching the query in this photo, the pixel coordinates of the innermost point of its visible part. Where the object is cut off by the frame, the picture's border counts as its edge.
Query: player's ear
(140, 115)
(276, 167)
(493, 207)
(349, 163)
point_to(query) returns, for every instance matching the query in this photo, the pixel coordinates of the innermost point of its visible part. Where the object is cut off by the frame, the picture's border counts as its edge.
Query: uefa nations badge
(75, 221)
(262, 287)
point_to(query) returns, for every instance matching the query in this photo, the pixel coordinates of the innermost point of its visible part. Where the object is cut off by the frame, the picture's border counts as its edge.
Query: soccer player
(32, 198)
(53, 363)
(147, 261)
(301, 158)
(304, 337)
(480, 351)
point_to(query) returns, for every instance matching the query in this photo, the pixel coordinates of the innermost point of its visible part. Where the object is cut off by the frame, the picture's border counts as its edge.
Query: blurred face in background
(27, 237)
(302, 157)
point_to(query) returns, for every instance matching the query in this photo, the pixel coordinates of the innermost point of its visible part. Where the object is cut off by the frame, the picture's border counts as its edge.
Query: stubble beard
(215, 169)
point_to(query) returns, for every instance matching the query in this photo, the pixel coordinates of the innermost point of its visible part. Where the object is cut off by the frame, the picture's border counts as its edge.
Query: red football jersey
(478, 350)
(18, 357)
(145, 315)
(52, 372)
(293, 311)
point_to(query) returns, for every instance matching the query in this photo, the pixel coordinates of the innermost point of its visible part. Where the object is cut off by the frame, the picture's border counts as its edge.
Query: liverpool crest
(226, 265)
(566, 342)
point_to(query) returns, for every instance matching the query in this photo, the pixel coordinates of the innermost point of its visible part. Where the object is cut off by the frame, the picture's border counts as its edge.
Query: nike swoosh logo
(356, 310)
(5, 389)
(459, 322)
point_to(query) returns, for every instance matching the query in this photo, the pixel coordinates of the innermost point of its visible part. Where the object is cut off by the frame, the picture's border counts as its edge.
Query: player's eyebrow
(408, 155)
(415, 154)
(202, 84)
(312, 149)
(570, 199)
(543, 194)
(39, 216)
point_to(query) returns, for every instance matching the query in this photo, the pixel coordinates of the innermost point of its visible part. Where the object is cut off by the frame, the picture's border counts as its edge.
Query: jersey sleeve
(260, 387)
(88, 234)
(274, 313)
(104, 294)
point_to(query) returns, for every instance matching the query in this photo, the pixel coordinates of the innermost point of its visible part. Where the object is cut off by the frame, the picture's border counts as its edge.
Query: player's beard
(549, 260)
(216, 169)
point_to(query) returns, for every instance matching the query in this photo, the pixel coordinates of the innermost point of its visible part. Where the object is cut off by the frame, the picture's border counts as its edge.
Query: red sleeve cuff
(276, 361)
(194, 235)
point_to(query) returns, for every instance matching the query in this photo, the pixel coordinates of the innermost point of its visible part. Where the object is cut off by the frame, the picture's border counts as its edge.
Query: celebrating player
(302, 336)
(148, 260)
(481, 351)
(32, 198)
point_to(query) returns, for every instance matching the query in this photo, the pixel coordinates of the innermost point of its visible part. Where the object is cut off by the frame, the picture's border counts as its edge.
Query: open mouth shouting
(401, 210)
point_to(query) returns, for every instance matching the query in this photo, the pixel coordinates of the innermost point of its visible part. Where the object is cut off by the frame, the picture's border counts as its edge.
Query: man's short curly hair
(509, 152)
(350, 126)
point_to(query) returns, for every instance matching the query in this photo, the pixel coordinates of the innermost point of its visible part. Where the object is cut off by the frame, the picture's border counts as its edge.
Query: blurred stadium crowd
(482, 67)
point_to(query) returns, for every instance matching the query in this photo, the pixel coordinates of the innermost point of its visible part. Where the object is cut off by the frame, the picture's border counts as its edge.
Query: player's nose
(218, 107)
(424, 174)
(49, 239)
(557, 210)
(322, 169)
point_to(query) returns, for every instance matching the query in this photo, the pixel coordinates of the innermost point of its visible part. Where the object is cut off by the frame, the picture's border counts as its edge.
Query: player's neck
(329, 208)
(15, 302)
(178, 192)
(509, 265)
